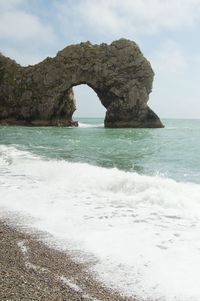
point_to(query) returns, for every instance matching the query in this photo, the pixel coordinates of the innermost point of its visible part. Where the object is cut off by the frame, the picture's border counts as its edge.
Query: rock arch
(43, 94)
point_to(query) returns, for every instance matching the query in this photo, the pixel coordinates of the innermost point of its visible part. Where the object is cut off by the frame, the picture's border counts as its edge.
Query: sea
(127, 201)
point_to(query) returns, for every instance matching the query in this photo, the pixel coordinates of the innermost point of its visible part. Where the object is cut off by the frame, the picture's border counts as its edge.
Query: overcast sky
(167, 31)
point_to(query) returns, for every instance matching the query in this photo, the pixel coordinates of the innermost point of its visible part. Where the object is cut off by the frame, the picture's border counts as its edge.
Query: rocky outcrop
(42, 94)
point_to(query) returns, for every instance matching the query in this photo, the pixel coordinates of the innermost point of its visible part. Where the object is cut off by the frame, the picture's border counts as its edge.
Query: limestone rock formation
(42, 94)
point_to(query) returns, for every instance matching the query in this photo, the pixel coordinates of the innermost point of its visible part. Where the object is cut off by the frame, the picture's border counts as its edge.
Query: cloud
(23, 33)
(175, 89)
(111, 17)
(21, 26)
(170, 60)
(23, 55)
(11, 4)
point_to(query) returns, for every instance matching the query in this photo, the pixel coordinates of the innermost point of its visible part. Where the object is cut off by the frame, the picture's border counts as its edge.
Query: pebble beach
(30, 270)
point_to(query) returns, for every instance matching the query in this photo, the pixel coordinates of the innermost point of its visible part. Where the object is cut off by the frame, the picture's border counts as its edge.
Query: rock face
(42, 94)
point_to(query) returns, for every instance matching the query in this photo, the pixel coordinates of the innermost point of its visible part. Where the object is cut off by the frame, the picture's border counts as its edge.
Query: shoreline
(31, 270)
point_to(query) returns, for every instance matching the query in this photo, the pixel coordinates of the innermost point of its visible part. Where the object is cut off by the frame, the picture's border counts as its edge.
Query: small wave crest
(10, 154)
(87, 125)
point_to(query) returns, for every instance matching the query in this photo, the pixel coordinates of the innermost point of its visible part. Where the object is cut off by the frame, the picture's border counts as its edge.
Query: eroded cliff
(42, 94)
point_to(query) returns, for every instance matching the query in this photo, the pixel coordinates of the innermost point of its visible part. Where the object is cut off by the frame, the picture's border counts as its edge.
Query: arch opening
(88, 104)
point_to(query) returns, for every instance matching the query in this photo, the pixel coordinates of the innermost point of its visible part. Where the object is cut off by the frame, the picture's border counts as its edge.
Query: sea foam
(88, 125)
(144, 231)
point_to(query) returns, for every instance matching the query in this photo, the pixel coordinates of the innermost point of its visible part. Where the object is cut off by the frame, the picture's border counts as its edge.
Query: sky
(167, 32)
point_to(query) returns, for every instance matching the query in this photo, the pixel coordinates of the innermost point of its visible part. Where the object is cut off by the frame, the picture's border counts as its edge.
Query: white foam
(23, 248)
(28, 264)
(70, 283)
(87, 125)
(144, 230)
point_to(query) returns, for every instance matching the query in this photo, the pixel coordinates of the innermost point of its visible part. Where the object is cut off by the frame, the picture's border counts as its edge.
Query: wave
(87, 125)
(144, 230)
(145, 189)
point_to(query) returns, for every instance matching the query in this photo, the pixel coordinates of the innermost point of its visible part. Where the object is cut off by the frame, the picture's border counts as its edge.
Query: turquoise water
(127, 201)
(173, 151)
